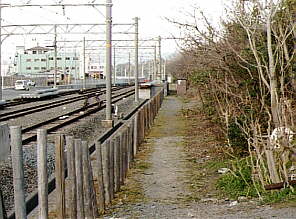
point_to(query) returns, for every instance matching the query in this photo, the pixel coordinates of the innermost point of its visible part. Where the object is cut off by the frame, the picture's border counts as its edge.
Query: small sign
(4, 142)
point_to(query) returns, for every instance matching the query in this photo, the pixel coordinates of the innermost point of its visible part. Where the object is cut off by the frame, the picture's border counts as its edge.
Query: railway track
(18, 102)
(32, 109)
(53, 124)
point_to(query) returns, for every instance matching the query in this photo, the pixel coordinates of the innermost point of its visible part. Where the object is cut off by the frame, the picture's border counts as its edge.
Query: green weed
(239, 181)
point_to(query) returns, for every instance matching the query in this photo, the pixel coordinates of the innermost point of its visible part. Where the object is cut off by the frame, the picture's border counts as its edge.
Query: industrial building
(39, 61)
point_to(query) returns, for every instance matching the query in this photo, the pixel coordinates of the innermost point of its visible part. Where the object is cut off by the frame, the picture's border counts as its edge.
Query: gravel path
(165, 186)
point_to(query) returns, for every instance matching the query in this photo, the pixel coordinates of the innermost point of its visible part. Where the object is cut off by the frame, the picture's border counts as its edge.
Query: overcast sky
(152, 14)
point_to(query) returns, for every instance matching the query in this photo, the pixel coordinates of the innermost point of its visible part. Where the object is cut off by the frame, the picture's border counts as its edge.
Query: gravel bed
(87, 129)
(30, 172)
(31, 119)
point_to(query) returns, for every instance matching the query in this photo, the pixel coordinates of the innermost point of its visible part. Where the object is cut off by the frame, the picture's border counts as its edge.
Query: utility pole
(136, 59)
(142, 70)
(129, 68)
(114, 64)
(0, 50)
(83, 63)
(160, 61)
(150, 70)
(55, 57)
(155, 65)
(164, 70)
(108, 62)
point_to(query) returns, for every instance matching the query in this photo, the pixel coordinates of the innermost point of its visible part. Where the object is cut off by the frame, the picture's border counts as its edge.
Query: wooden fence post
(128, 147)
(18, 172)
(154, 106)
(86, 181)
(111, 168)
(135, 145)
(106, 178)
(131, 136)
(121, 149)
(145, 117)
(60, 176)
(71, 176)
(128, 158)
(148, 114)
(124, 154)
(79, 179)
(3, 214)
(101, 198)
(116, 164)
(92, 189)
(143, 124)
(42, 173)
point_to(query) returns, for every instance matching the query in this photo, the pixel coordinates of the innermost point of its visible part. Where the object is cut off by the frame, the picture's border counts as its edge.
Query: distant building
(40, 61)
(95, 68)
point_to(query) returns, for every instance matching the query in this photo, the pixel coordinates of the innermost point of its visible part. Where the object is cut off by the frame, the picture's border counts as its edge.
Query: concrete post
(55, 57)
(18, 172)
(136, 59)
(155, 65)
(83, 63)
(42, 173)
(108, 58)
(114, 67)
(160, 58)
(0, 50)
(129, 68)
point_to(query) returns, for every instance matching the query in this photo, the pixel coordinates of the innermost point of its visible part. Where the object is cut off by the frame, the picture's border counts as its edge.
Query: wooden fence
(90, 185)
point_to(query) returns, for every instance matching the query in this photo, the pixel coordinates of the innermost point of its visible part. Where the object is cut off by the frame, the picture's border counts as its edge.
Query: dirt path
(160, 185)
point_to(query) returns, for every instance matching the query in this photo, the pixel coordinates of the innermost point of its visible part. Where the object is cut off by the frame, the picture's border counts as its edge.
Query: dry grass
(204, 147)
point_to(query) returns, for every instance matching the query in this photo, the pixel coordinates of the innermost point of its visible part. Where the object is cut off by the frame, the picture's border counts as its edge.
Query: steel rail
(21, 112)
(93, 108)
(24, 101)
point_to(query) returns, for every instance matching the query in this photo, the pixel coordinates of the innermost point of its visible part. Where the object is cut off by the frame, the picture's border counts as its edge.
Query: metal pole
(55, 57)
(164, 70)
(83, 64)
(143, 70)
(155, 64)
(149, 70)
(108, 58)
(114, 66)
(136, 59)
(0, 51)
(160, 61)
(129, 67)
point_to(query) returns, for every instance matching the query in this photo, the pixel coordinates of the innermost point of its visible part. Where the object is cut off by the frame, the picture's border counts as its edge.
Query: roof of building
(39, 48)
